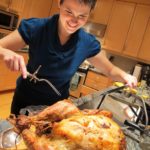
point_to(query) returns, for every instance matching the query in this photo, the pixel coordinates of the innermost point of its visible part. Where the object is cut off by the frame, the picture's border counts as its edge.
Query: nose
(74, 20)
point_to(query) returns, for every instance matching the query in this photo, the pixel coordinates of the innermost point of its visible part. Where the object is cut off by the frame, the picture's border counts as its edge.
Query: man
(60, 45)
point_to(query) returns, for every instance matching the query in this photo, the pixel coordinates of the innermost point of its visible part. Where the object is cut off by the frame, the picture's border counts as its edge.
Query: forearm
(7, 53)
(112, 71)
(3, 52)
(117, 74)
(107, 68)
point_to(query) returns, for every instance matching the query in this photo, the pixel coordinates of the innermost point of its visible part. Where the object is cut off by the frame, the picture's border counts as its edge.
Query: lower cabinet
(5, 104)
(96, 81)
(85, 90)
(90, 83)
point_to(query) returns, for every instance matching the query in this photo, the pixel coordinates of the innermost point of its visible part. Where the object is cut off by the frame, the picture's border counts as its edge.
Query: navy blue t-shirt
(59, 62)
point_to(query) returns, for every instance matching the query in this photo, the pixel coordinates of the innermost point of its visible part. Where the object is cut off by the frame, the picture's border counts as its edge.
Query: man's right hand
(15, 62)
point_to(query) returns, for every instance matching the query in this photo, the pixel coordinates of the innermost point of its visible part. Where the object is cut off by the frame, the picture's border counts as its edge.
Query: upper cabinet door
(17, 5)
(54, 8)
(12, 5)
(36, 8)
(101, 12)
(118, 25)
(4, 4)
(144, 52)
(137, 30)
(40, 9)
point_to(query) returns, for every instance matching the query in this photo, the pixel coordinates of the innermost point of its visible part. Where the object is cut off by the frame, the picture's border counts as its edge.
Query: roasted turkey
(63, 126)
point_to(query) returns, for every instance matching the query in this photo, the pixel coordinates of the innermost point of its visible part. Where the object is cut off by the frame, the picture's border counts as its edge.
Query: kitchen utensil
(35, 78)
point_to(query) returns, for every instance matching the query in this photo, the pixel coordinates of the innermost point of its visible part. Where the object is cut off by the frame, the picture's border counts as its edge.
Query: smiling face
(73, 15)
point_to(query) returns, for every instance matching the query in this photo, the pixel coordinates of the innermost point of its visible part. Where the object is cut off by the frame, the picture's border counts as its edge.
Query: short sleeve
(94, 48)
(28, 28)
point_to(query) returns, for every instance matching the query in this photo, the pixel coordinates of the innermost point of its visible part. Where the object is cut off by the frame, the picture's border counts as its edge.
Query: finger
(8, 62)
(23, 67)
(129, 85)
(134, 81)
(16, 64)
(11, 64)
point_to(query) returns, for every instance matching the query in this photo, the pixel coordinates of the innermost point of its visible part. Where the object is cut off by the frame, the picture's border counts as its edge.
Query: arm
(102, 63)
(8, 45)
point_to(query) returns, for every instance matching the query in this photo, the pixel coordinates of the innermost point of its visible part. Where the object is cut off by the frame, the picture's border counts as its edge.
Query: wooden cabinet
(144, 52)
(17, 5)
(85, 90)
(12, 5)
(137, 30)
(54, 8)
(34, 8)
(96, 81)
(118, 25)
(91, 83)
(5, 104)
(4, 4)
(128, 32)
(102, 11)
(8, 77)
(30, 8)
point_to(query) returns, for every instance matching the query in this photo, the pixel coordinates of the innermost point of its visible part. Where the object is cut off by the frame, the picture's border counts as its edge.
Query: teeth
(72, 26)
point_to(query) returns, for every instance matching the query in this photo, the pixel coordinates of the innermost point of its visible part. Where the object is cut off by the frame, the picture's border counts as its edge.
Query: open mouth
(71, 27)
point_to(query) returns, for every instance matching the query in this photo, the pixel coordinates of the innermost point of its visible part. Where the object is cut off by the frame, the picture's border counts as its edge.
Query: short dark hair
(91, 3)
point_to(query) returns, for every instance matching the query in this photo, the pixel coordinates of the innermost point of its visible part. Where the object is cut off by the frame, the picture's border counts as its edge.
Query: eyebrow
(84, 14)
